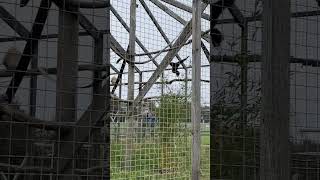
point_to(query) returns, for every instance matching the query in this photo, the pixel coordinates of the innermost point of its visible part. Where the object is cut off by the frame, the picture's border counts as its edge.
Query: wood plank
(274, 134)
(131, 120)
(186, 8)
(176, 16)
(196, 88)
(183, 37)
(118, 49)
(29, 49)
(137, 39)
(132, 49)
(66, 84)
(163, 34)
(14, 23)
(237, 15)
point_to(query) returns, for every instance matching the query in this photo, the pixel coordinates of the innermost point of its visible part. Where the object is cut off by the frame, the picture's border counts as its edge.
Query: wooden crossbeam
(176, 16)
(184, 7)
(113, 10)
(30, 48)
(183, 37)
(163, 34)
(180, 20)
(23, 118)
(218, 59)
(118, 49)
(168, 11)
(13, 23)
(234, 10)
(237, 15)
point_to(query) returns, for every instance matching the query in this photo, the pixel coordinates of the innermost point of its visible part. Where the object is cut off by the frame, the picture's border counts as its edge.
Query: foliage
(173, 112)
(235, 141)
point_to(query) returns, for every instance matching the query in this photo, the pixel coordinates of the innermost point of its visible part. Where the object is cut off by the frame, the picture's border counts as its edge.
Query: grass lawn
(153, 159)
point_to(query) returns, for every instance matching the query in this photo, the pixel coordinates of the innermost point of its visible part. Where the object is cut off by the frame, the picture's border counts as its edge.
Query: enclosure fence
(159, 89)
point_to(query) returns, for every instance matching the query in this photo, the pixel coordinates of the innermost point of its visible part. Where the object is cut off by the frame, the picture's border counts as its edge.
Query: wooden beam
(237, 15)
(163, 34)
(259, 17)
(137, 39)
(95, 33)
(33, 86)
(108, 101)
(131, 120)
(67, 78)
(274, 134)
(183, 37)
(18, 117)
(182, 21)
(176, 16)
(244, 89)
(83, 21)
(186, 8)
(118, 49)
(168, 11)
(132, 49)
(30, 48)
(196, 88)
(97, 139)
(206, 51)
(217, 59)
(89, 122)
(13, 23)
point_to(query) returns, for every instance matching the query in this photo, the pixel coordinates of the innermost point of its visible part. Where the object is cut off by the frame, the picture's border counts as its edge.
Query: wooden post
(244, 74)
(244, 94)
(33, 85)
(120, 88)
(96, 138)
(140, 81)
(67, 72)
(162, 84)
(196, 90)
(106, 155)
(132, 40)
(274, 137)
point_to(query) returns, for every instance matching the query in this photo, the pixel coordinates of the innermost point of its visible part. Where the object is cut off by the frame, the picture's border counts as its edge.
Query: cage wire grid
(84, 97)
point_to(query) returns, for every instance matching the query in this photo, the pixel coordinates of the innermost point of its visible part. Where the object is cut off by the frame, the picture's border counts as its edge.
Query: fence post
(274, 142)
(131, 68)
(196, 90)
(67, 72)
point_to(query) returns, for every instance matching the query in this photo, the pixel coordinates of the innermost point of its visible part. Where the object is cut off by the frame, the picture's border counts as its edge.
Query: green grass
(205, 139)
(147, 159)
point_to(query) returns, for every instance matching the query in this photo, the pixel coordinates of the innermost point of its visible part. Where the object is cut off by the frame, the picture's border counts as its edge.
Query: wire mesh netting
(103, 89)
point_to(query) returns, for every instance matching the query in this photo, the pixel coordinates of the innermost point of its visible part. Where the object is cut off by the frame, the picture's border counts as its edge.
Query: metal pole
(196, 90)
(274, 137)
